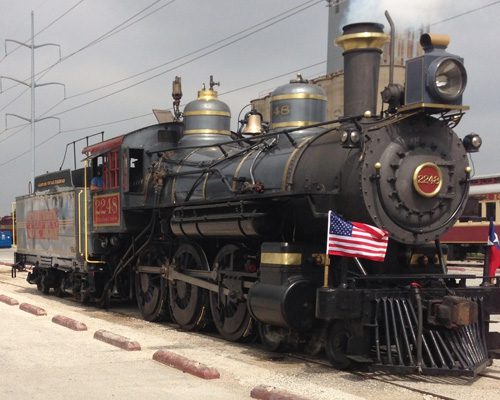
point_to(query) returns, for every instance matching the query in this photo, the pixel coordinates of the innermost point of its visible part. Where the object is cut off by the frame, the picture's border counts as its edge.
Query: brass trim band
(206, 131)
(207, 94)
(433, 105)
(362, 40)
(291, 259)
(207, 112)
(296, 96)
(416, 184)
(293, 124)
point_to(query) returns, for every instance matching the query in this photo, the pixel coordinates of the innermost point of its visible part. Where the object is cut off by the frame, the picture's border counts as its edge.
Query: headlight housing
(436, 80)
(447, 78)
(472, 142)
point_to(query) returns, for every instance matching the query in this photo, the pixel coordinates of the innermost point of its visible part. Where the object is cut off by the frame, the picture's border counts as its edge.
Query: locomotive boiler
(210, 227)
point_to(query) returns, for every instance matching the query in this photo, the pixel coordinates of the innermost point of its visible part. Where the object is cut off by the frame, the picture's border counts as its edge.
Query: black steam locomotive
(211, 227)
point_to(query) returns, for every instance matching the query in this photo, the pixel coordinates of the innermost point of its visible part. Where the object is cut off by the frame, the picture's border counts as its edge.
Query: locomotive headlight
(436, 80)
(355, 136)
(344, 136)
(447, 78)
(350, 138)
(472, 142)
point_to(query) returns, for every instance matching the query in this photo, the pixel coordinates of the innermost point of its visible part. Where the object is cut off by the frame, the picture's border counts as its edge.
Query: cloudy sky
(120, 56)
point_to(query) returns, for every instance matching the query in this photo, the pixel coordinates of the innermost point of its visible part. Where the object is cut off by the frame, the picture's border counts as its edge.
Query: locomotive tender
(210, 227)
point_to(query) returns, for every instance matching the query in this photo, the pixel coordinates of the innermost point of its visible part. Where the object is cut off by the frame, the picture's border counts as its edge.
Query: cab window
(111, 170)
(136, 172)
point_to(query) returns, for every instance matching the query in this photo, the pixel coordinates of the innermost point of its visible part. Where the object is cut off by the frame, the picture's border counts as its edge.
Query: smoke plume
(405, 13)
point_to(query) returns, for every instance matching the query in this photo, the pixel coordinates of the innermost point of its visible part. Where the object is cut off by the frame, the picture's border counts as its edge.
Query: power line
(43, 29)
(273, 78)
(217, 42)
(118, 28)
(466, 13)
(105, 123)
(21, 128)
(188, 54)
(149, 113)
(230, 91)
(186, 62)
(221, 94)
(295, 10)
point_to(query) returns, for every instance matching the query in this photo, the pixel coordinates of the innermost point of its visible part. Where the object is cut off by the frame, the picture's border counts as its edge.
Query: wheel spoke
(230, 314)
(188, 303)
(150, 289)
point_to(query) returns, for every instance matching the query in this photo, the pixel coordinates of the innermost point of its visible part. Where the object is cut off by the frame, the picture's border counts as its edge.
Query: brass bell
(253, 123)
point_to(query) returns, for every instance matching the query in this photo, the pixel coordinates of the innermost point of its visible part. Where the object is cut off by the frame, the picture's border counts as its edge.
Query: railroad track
(386, 379)
(494, 377)
(374, 376)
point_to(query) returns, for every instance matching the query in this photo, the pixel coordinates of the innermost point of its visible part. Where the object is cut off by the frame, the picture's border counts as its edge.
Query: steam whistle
(212, 83)
(177, 96)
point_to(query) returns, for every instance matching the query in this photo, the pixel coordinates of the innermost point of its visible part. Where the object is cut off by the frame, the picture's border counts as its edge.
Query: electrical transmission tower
(33, 85)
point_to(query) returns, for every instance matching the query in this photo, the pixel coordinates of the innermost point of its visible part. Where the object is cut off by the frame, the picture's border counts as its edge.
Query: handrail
(14, 242)
(80, 223)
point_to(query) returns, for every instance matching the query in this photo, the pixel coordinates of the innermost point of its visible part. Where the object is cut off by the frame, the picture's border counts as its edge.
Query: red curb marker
(271, 393)
(186, 365)
(8, 300)
(6, 264)
(32, 309)
(69, 323)
(117, 340)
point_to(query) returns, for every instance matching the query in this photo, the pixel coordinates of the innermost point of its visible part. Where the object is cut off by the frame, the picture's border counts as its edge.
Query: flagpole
(486, 266)
(327, 257)
(327, 265)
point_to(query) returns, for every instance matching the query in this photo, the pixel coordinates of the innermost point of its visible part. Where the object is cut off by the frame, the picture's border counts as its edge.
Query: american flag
(355, 239)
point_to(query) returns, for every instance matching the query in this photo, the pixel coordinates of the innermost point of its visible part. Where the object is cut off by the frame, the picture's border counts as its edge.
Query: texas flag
(494, 249)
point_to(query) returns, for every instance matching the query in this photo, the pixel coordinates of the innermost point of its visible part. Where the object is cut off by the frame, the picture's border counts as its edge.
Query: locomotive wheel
(336, 345)
(59, 285)
(44, 284)
(230, 313)
(151, 296)
(189, 303)
(151, 292)
(273, 338)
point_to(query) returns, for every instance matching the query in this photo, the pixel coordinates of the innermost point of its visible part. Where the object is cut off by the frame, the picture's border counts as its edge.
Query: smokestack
(362, 44)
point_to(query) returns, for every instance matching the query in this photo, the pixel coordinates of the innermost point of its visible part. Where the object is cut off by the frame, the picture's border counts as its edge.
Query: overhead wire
(36, 34)
(186, 62)
(43, 29)
(221, 94)
(218, 48)
(188, 54)
(192, 53)
(118, 28)
(230, 91)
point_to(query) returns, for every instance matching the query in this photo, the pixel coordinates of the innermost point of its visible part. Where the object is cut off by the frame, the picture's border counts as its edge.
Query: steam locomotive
(210, 227)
